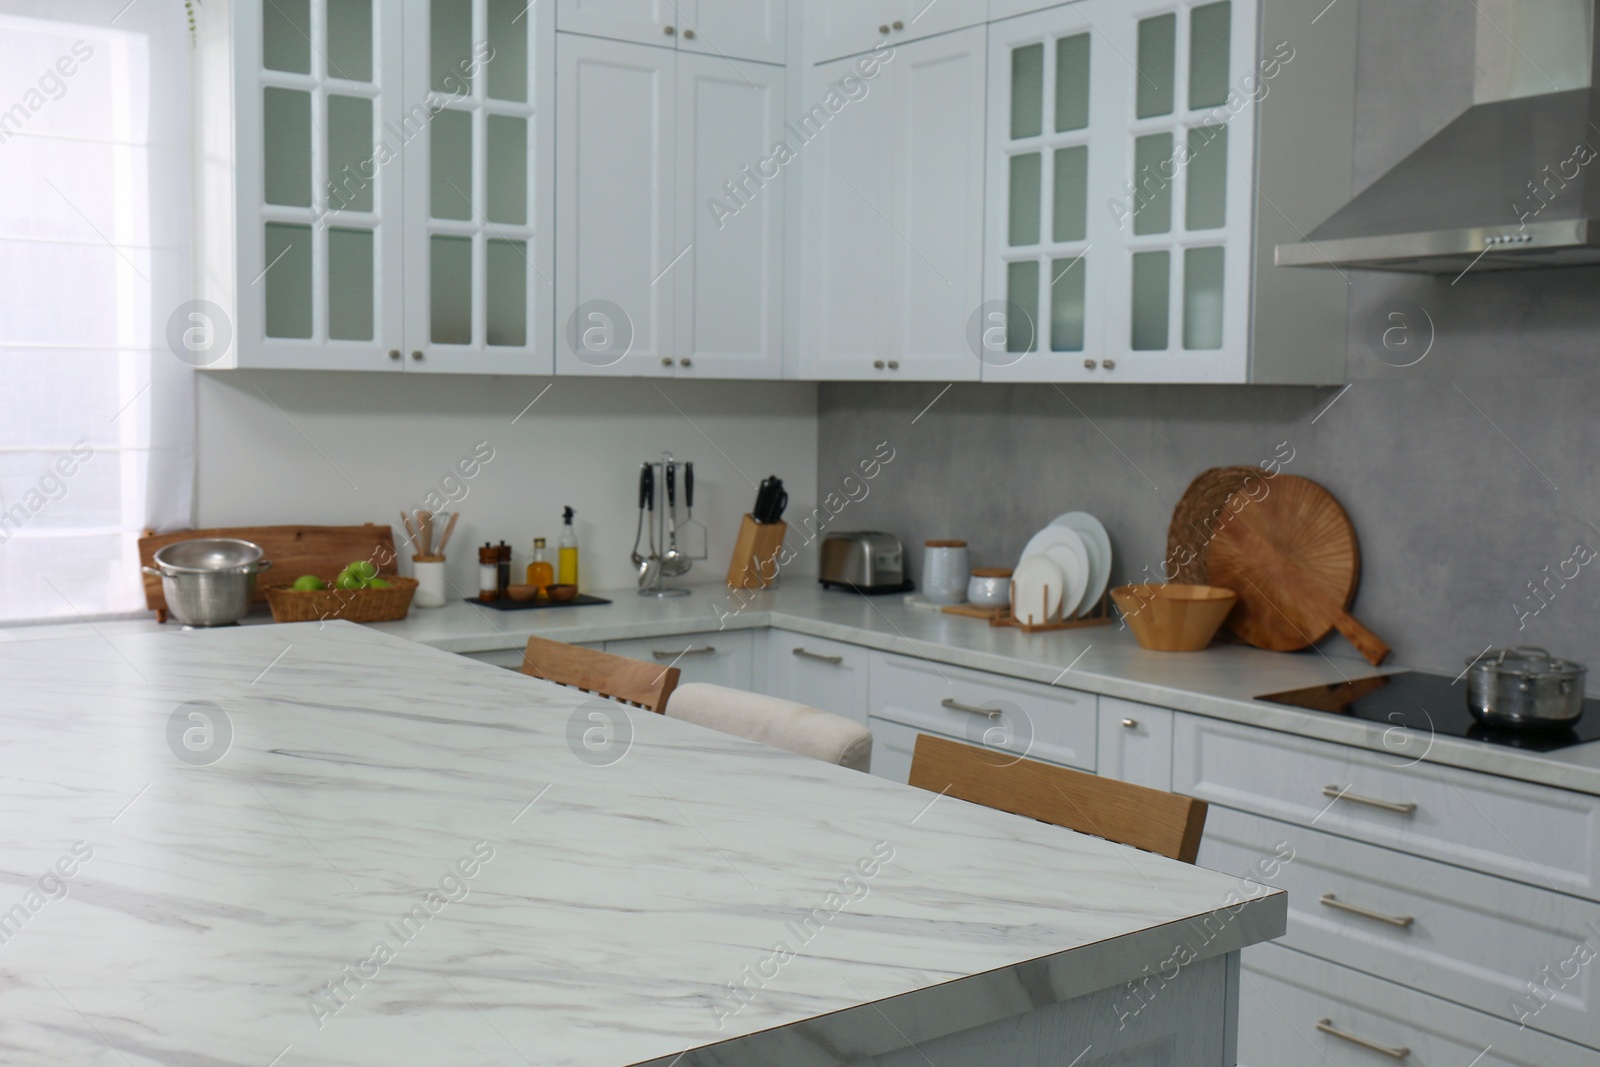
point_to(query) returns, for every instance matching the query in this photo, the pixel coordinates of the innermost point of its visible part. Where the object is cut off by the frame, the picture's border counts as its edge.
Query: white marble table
(400, 857)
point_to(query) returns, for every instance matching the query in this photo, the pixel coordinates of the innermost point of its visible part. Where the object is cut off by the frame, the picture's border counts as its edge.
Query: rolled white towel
(785, 724)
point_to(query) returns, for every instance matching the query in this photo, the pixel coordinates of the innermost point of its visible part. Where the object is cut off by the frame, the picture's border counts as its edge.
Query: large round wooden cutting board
(1200, 511)
(1292, 557)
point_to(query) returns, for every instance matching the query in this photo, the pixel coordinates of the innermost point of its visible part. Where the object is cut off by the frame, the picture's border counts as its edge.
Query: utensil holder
(429, 572)
(755, 554)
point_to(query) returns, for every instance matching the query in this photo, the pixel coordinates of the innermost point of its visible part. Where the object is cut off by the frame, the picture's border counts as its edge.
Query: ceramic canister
(945, 571)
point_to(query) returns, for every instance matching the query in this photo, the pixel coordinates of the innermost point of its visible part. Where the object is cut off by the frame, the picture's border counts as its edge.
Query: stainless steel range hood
(1513, 183)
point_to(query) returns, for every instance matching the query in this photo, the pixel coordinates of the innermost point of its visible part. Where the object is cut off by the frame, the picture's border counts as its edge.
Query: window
(96, 412)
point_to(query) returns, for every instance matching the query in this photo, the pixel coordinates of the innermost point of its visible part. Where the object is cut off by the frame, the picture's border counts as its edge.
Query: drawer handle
(1327, 1027)
(956, 705)
(1402, 921)
(708, 650)
(1132, 724)
(806, 653)
(1372, 802)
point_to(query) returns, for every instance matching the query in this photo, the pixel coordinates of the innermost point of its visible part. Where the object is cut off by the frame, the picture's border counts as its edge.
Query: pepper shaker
(488, 572)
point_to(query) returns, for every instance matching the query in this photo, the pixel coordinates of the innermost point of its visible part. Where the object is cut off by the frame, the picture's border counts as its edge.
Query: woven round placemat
(1195, 520)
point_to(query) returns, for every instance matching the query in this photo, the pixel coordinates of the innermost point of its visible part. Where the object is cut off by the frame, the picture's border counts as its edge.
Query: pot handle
(263, 565)
(152, 572)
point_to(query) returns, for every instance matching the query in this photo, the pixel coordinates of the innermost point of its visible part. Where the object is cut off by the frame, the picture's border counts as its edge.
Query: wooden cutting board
(293, 550)
(1293, 558)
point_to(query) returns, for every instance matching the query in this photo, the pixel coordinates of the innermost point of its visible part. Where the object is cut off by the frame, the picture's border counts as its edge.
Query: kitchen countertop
(1220, 682)
(533, 896)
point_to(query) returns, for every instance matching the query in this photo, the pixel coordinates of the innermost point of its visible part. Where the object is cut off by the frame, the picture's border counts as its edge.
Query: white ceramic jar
(430, 583)
(990, 587)
(945, 571)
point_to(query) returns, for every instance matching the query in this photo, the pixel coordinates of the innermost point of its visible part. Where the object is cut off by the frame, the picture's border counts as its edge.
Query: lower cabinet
(720, 658)
(1135, 743)
(819, 673)
(1025, 719)
(1296, 1009)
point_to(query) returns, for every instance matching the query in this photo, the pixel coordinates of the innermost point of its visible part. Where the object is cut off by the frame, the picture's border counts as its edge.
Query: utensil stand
(655, 581)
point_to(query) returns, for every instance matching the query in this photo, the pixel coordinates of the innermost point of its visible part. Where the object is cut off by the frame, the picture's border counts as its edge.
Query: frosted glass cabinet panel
(1048, 173)
(479, 291)
(377, 183)
(1178, 260)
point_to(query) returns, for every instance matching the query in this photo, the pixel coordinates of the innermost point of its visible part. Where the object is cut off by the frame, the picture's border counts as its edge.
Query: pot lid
(1523, 660)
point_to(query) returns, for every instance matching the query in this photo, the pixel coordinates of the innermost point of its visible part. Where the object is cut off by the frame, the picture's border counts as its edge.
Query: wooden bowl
(1174, 617)
(561, 593)
(522, 593)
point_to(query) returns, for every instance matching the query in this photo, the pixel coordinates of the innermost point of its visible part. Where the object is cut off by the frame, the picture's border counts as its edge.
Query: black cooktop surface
(1431, 703)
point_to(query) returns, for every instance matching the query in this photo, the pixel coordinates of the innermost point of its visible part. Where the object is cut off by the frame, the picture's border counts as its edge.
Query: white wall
(344, 448)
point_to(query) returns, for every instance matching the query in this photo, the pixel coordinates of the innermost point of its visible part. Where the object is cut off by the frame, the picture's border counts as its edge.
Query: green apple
(346, 580)
(378, 583)
(364, 569)
(308, 583)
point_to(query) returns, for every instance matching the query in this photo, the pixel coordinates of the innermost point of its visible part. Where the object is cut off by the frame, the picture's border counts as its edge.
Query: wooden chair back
(1148, 819)
(630, 681)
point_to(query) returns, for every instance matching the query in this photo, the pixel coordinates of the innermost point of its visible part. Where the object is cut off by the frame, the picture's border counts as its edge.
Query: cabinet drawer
(1545, 837)
(1284, 994)
(718, 658)
(819, 673)
(1038, 721)
(1470, 938)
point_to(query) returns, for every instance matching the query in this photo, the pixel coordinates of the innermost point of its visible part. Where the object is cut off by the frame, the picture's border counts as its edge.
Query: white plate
(1098, 542)
(1066, 548)
(1036, 579)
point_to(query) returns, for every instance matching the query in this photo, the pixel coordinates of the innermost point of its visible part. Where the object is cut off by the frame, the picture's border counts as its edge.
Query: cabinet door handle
(669, 30)
(685, 362)
(899, 25)
(1402, 921)
(884, 29)
(894, 364)
(1327, 1027)
(688, 35)
(956, 705)
(805, 653)
(1372, 802)
(1090, 364)
(1109, 364)
(1131, 724)
(416, 353)
(877, 364)
(394, 353)
(707, 650)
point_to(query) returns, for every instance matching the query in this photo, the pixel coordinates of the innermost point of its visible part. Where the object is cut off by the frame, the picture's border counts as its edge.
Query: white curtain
(96, 412)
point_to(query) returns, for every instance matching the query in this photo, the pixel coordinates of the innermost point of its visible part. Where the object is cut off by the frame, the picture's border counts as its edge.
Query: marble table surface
(283, 845)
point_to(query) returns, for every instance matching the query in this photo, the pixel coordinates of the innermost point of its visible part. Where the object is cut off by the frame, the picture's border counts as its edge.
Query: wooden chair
(630, 681)
(1136, 815)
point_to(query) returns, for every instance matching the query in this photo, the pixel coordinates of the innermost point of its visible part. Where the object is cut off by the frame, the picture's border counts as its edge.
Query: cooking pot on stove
(1525, 689)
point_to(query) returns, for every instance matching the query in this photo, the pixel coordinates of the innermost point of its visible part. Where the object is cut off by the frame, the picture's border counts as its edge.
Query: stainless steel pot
(1525, 688)
(209, 581)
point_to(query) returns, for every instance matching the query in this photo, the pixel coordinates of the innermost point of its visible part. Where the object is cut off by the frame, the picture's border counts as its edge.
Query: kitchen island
(322, 844)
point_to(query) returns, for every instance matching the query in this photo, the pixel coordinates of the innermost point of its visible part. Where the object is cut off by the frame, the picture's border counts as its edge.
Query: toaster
(867, 562)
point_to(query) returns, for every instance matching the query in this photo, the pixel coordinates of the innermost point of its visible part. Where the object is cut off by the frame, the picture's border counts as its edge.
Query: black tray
(507, 604)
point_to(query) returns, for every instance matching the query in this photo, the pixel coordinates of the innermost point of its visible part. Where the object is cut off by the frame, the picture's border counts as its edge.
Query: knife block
(755, 554)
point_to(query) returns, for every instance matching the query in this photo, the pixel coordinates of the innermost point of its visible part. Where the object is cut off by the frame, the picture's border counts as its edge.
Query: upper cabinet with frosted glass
(1141, 156)
(728, 29)
(376, 185)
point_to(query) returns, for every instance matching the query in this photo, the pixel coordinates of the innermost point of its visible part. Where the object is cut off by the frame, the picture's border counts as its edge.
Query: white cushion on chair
(784, 724)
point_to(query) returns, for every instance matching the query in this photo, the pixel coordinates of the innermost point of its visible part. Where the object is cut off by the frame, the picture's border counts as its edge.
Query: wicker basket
(1195, 520)
(353, 605)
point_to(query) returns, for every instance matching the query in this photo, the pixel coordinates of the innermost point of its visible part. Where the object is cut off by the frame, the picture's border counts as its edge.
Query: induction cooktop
(1431, 703)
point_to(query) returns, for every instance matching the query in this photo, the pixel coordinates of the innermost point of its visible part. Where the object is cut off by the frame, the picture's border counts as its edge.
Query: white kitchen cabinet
(1011, 718)
(1005, 9)
(478, 186)
(654, 279)
(616, 152)
(1135, 743)
(1289, 1002)
(328, 129)
(836, 28)
(819, 673)
(730, 200)
(720, 658)
(893, 226)
(735, 29)
(1460, 935)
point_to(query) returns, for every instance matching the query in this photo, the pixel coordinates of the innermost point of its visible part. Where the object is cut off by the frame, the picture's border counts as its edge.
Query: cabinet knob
(877, 364)
(685, 362)
(884, 30)
(1089, 364)
(666, 361)
(899, 25)
(1130, 724)
(416, 353)
(1109, 364)
(688, 35)
(394, 353)
(894, 364)
(669, 30)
